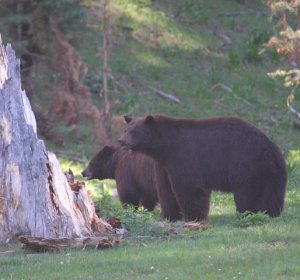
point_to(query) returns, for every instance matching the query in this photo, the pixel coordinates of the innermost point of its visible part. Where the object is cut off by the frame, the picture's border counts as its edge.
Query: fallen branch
(196, 226)
(222, 86)
(229, 89)
(169, 96)
(39, 244)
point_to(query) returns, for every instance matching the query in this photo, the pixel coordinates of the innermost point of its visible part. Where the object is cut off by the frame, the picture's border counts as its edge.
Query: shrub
(248, 218)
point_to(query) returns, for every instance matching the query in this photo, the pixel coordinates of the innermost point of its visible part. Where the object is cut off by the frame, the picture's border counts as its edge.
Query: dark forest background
(181, 58)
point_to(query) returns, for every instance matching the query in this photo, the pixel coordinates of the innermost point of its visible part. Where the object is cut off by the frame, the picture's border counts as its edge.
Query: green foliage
(136, 221)
(142, 3)
(293, 197)
(140, 222)
(293, 156)
(108, 207)
(191, 8)
(247, 219)
(63, 10)
(282, 6)
(220, 199)
(39, 15)
(235, 60)
(291, 77)
(286, 43)
(293, 167)
(254, 45)
(94, 81)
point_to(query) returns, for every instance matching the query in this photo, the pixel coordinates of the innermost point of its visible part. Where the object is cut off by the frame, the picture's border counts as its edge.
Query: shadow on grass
(221, 219)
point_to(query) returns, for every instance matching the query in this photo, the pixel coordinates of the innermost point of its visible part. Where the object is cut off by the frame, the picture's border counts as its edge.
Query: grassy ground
(228, 249)
(232, 247)
(205, 53)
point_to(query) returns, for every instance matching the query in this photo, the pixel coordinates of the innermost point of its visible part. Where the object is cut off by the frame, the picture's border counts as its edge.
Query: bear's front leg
(128, 194)
(193, 202)
(168, 203)
(147, 202)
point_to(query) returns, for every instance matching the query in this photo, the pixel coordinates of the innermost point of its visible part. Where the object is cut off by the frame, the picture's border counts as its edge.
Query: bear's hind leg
(263, 200)
(259, 195)
(247, 202)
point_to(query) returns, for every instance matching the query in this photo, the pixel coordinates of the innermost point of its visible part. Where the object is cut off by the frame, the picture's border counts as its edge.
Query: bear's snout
(121, 141)
(87, 174)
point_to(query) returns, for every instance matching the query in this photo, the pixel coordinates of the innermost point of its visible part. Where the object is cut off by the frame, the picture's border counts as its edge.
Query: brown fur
(133, 172)
(197, 156)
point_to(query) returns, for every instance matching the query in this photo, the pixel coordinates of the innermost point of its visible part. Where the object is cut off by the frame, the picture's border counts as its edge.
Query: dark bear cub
(196, 156)
(133, 172)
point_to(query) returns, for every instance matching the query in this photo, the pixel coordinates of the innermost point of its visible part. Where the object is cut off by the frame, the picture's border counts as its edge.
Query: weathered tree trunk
(35, 197)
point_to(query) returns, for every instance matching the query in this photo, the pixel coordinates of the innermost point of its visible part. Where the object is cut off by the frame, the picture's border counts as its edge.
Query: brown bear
(133, 172)
(197, 156)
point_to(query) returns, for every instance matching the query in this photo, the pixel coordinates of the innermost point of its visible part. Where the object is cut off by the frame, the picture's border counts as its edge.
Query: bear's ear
(149, 120)
(127, 119)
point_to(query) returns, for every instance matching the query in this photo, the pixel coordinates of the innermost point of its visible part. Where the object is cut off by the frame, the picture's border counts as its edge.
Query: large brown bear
(197, 156)
(133, 172)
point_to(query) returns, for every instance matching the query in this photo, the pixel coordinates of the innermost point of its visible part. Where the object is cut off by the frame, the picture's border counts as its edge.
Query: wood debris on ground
(38, 244)
(195, 226)
(115, 222)
(106, 243)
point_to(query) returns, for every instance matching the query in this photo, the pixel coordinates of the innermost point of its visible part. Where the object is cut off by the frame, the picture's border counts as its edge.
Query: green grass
(224, 251)
(209, 256)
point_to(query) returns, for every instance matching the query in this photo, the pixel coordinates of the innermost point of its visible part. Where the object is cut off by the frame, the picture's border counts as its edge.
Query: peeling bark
(35, 196)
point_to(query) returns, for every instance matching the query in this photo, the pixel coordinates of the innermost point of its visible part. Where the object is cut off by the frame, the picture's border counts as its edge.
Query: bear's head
(141, 135)
(102, 165)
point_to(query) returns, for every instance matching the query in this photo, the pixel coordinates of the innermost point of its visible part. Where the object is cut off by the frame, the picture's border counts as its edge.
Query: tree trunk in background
(35, 196)
(107, 116)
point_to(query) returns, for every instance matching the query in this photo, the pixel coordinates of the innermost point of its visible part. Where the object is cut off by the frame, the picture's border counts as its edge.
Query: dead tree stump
(35, 197)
